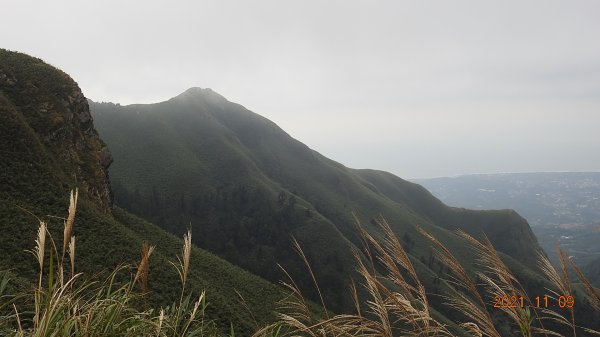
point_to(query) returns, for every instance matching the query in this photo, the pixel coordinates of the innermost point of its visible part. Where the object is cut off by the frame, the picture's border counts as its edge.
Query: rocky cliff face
(47, 101)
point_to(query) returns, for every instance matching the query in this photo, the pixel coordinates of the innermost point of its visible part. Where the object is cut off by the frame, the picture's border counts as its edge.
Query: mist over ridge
(418, 89)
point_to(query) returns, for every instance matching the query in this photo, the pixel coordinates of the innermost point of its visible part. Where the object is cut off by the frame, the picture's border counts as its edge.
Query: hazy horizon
(418, 89)
(404, 177)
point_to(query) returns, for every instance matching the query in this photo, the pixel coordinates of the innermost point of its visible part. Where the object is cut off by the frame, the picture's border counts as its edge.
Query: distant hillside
(246, 186)
(563, 207)
(48, 145)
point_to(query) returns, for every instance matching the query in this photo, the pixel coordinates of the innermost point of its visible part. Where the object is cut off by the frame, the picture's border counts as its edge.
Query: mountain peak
(195, 93)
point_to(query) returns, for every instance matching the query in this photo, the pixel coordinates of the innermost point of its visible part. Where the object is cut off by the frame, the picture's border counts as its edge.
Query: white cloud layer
(419, 88)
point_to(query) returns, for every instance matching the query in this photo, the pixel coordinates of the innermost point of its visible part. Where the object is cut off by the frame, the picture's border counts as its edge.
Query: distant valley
(561, 208)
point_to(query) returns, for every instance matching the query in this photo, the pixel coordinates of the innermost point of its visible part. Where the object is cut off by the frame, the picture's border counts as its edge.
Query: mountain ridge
(48, 146)
(227, 153)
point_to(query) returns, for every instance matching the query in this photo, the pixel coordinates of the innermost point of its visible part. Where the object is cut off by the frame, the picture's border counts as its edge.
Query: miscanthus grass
(64, 304)
(390, 299)
(397, 304)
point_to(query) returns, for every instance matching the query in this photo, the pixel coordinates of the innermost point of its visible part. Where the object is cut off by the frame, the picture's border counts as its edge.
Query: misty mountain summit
(197, 93)
(246, 186)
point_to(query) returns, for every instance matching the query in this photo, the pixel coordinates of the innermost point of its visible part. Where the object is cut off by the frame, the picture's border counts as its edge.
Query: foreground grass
(492, 302)
(63, 303)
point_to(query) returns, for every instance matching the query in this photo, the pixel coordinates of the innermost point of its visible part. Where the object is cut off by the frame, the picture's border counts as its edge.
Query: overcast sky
(418, 88)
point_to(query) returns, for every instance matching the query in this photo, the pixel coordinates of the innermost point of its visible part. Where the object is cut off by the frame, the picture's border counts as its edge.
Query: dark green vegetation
(562, 207)
(245, 186)
(592, 271)
(48, 145)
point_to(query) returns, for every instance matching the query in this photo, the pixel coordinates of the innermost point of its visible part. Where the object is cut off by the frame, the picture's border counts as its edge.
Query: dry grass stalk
(194, 312)
(472, 328)
(355, 299)
(592, 292)
(384, 257)
(38, 251)
(377, 304)
(500, 281)
(161, 318)
(411, 305)
(365, 243)
(548, 269)
(310, 271)
(481, 321)
(407, 310)
(395, 250)
(144, 266)
(40, 245)
(183, 266)
(562, 282)
(296, 303)
(491, 261)
(246, 307)
(20, 331)
(69, 222)
(186, 255)
(72, 255)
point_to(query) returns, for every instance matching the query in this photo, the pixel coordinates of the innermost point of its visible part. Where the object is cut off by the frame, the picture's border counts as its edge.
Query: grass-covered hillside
(246, 186)
(48, 146)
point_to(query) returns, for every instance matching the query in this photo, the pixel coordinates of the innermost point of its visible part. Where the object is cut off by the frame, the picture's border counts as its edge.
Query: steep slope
(246, 186)
(505, 228)
(48, 145)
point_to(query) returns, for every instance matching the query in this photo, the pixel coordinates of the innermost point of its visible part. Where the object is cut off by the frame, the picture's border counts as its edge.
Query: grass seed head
(70, 220)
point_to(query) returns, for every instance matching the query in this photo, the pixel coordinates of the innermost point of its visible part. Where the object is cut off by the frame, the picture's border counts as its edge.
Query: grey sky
(418, 88)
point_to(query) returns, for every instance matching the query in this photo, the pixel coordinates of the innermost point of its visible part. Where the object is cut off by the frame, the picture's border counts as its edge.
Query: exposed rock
(105, 158)
(54, 107)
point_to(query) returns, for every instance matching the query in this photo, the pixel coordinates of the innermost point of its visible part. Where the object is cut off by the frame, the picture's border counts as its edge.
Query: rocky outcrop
(51, 103)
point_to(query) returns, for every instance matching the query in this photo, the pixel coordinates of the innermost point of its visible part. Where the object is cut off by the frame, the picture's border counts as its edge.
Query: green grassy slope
(48, 145)
(246, 186)
(509, 232)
